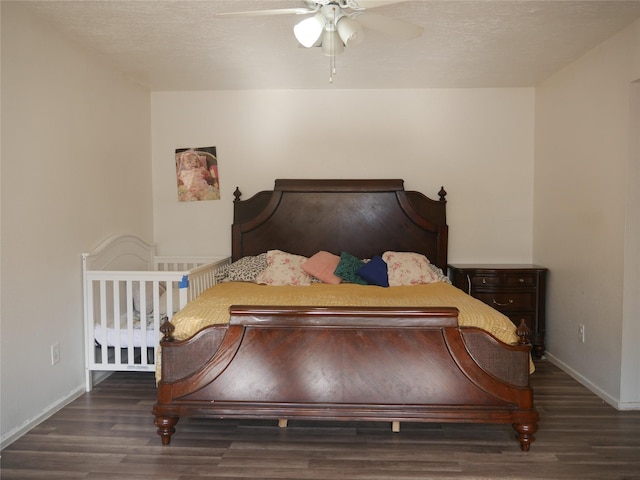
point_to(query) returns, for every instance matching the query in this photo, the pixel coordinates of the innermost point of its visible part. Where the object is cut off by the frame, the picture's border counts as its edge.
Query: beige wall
(478, 143)
(75, 168)
(585, 218)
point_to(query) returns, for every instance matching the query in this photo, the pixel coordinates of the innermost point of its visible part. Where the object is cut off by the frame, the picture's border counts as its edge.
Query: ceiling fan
(335, 24)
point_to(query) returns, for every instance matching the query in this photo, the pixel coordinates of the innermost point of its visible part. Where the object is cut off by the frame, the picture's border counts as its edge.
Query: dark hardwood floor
(109, 434)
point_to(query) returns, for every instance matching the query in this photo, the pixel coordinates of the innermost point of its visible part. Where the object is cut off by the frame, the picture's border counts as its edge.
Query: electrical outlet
(581, 333)
(55, 353)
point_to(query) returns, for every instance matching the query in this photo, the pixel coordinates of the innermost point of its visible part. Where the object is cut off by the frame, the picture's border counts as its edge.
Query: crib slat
(103, 316)
(88, 327)
(115, 319)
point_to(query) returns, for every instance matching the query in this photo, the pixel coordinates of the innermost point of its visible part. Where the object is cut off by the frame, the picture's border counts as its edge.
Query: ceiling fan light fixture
(332, 43)
(350, 32)
(333, 25)
(309, 30)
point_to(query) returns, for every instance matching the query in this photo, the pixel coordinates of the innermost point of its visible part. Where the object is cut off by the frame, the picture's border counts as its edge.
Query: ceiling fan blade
(275, 11)
(368, 4)
(392, 27)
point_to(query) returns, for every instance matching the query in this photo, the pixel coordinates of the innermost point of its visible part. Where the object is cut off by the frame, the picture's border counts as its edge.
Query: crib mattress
(108, 336)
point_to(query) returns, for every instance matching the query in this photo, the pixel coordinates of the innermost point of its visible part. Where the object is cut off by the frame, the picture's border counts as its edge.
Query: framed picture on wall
(197, 174)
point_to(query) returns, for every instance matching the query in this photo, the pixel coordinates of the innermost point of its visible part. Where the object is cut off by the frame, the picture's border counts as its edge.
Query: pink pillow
(284, 269)
(322, 265)
(407, 268)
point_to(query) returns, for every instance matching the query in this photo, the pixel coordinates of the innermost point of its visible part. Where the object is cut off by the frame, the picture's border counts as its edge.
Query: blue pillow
(375, 272)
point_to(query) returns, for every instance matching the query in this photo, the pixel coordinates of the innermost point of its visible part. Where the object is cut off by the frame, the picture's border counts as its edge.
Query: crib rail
(181, 264)
(123, 313)
(124, 309)
(204, 277)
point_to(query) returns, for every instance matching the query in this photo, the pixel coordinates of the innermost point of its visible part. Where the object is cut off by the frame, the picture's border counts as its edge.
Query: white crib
(128, 291)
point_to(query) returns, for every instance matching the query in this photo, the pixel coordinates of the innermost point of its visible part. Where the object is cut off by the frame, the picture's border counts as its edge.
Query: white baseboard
(614, 402)
(17, 432)
(629, 406)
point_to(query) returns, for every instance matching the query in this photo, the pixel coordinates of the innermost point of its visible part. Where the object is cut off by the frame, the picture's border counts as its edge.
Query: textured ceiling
(182, 45)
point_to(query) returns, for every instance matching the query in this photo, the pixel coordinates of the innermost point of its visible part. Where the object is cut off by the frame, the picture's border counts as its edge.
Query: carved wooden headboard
(362, 217)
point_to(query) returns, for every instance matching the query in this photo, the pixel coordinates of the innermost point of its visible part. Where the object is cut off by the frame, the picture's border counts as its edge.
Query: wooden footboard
(382, 364)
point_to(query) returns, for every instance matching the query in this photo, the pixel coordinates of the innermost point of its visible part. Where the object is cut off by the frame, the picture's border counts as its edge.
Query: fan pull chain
(332, 67)
(332, 58)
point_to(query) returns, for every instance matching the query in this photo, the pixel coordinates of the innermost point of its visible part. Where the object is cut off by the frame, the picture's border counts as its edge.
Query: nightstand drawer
(520, 280)
(508, 300)
(485, 280)
(505, 280)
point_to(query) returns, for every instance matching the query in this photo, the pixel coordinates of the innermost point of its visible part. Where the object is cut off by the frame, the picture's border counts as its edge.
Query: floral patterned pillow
(284, 269)
(408, 268)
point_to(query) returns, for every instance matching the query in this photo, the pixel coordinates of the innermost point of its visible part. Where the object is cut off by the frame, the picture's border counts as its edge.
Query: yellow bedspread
(212, 307)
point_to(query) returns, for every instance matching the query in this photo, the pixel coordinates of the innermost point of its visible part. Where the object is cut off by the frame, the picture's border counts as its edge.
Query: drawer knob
(484, 280)
(508, 302)
(521, 280)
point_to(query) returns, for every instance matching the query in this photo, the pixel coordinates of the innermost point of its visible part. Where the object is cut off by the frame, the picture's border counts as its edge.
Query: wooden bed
(412, 364)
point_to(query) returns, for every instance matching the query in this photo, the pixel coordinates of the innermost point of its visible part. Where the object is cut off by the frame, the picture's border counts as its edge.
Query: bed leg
(282, 423)
(524, 434)
(166, 428)
(395, 426)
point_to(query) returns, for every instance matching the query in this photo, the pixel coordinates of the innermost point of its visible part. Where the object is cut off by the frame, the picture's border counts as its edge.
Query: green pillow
(347, 267)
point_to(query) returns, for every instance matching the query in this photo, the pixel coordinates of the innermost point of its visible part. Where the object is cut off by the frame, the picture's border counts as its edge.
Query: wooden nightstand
(516, 290)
